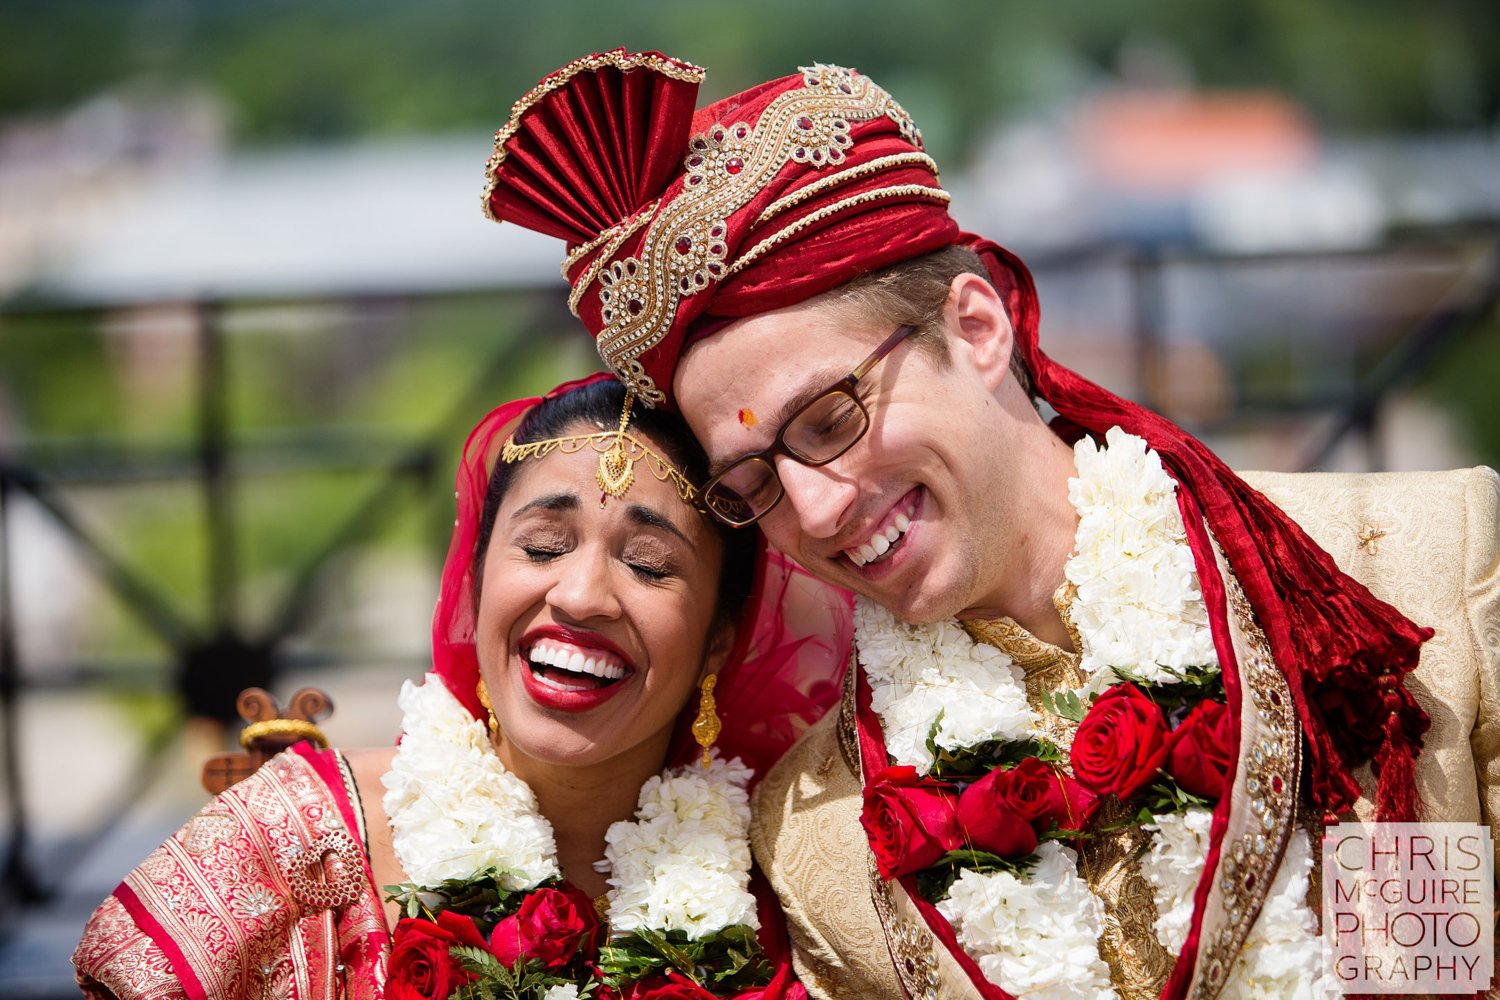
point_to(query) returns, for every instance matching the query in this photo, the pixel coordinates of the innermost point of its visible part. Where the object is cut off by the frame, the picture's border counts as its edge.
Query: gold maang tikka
(619, 452)
(616, 468)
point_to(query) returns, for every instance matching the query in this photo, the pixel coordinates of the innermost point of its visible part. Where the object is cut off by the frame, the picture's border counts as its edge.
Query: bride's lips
(604, 670)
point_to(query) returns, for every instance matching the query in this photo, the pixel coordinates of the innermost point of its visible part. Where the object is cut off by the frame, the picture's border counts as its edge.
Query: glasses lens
(827, 428)
(744, 491)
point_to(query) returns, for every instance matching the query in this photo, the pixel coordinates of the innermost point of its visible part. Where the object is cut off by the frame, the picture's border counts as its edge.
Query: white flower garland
(455, 811)
(920, 672)
(1173, 866)
(1035, 936)
(684, 863)
(1139, 606)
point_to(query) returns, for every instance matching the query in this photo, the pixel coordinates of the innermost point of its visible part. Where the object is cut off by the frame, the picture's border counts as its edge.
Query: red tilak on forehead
(747, 418)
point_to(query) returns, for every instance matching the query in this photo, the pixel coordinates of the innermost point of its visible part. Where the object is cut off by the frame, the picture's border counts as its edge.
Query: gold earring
(706, 726)
(484, 699)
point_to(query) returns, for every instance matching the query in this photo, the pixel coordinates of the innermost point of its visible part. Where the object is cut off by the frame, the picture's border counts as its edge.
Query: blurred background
(249, 307)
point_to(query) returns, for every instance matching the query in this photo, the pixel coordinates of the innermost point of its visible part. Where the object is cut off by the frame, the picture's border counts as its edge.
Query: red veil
(789, 654)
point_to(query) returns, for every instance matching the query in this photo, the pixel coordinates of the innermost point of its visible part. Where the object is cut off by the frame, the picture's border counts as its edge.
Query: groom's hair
(913, 293)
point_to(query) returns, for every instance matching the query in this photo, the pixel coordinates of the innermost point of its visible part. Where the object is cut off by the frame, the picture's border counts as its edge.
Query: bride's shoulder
(368, 765)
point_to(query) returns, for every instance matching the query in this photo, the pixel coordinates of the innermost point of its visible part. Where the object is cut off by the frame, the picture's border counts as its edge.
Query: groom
(1106, 692)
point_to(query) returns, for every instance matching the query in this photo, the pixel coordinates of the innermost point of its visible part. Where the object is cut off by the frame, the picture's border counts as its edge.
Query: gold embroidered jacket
(1426, 542)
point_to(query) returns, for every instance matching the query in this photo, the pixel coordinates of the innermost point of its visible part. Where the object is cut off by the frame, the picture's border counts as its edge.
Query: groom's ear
(980, 324)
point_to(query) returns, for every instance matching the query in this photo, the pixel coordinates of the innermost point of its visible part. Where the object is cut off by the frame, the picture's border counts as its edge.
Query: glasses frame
(778, 446)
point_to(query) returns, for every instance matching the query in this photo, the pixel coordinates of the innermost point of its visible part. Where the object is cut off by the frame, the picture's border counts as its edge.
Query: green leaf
(932, 732)
(974, 762)
(933, 883)
(1165, 796)
(523, 981)
(1188, 686)
(729, 961)
(1065, 704)
(483, 897)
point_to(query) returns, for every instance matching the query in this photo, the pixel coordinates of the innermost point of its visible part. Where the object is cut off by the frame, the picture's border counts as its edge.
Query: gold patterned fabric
(242, 902)
(1437, 559)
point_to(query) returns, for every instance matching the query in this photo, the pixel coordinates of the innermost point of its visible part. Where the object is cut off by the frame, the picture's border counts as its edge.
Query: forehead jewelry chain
(616, 467)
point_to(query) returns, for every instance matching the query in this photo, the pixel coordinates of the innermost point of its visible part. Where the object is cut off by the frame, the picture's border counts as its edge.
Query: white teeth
(569, 658)
(557, 684)
(881, 542)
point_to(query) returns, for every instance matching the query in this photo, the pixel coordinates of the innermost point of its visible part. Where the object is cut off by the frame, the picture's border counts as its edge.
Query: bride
(566, 813)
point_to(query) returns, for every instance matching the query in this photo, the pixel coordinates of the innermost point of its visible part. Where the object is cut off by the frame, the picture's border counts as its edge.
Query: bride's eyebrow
(645, 515)
(562, 500)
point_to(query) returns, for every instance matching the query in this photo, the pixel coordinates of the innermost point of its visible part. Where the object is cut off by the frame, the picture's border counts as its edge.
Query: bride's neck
(581, 803)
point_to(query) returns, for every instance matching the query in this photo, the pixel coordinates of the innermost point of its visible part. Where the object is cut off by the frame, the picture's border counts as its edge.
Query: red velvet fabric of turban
(679, 222)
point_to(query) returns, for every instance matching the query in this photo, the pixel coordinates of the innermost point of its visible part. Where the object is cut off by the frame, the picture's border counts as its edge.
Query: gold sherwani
(1427, 543)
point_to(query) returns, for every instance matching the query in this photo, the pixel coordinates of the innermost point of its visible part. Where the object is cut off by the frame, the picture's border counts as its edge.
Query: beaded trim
(874, 166)
(584, 249)
(865, 198)
(913, 948)
(618, 234)
(674, 69)
(1254, 844)
(685, 248)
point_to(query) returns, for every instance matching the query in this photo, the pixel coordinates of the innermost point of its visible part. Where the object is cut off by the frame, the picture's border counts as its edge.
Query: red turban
(675, 220)
(678, 222)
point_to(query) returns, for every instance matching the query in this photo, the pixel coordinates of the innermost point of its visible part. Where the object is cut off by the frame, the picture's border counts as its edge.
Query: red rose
(1040, 793)
(1199, 759)
(1121, 743)
(989, 821)
(672, 986)
(421, 967)
(548, 928)
(911, 822)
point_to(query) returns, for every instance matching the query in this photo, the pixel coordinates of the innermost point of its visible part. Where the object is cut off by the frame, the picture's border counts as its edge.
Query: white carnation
(1139, 605)
(920, 672)
(1173, 866)
(566, 991)
(684, 862)
(1034, 936)
(454, 809)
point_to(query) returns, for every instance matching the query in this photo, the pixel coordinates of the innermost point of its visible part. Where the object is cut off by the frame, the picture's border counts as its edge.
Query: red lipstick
(584, 699)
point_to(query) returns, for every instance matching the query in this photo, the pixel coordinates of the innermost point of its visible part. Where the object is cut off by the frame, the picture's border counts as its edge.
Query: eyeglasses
(819, 432)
